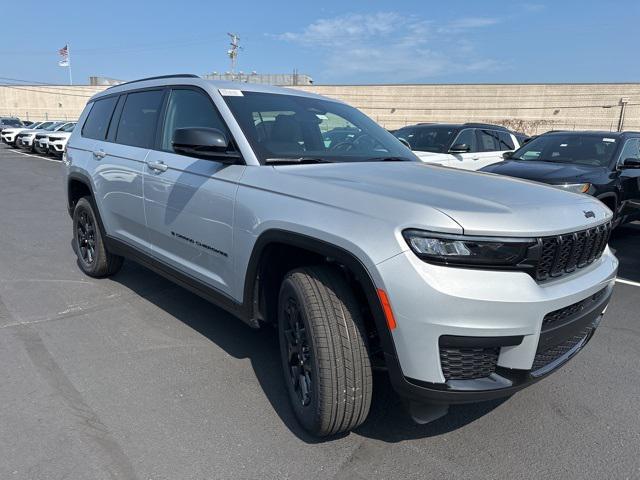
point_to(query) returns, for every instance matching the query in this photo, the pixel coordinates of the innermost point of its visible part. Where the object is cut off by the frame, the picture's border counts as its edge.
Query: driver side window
(189, 108)
(468, 137)
(631, 149)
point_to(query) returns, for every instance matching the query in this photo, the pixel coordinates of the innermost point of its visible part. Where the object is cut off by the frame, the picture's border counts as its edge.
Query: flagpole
(69, 57)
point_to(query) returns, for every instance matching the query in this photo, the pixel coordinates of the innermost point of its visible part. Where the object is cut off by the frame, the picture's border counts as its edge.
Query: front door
(189, 202)
(468, 160)
(630, 181)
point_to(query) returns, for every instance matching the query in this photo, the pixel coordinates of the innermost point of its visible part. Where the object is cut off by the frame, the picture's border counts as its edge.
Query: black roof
(593, 132)
(460, 125)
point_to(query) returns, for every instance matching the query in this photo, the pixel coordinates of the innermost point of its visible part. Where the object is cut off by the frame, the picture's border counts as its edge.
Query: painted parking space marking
(37, 156)
(627, 282)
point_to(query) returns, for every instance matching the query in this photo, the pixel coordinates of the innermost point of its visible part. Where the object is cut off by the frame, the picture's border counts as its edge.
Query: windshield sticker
(230, 92)
(563, 144)
(608, 139)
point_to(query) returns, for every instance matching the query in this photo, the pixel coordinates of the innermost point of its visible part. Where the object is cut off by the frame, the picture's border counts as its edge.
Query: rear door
(630, 180)
(189, 202)
(118, 164)
(491, 145)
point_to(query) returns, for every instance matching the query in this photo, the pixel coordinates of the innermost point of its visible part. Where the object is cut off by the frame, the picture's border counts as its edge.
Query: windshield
(293, 127)
(43, 126)
(425, 138)
(12, 122)
(588, 149)
(52, 127)
(68, 127)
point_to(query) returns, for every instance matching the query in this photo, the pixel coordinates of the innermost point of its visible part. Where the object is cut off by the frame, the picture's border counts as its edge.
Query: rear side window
(506, 143)
(137, 125)
(98, 120)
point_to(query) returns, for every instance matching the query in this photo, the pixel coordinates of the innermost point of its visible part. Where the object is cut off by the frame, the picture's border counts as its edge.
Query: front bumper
(25, 142)
(502, 310)
(56, 147)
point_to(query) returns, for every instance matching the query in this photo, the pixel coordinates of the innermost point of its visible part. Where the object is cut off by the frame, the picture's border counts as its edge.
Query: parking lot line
(36, 156)
(627, 282)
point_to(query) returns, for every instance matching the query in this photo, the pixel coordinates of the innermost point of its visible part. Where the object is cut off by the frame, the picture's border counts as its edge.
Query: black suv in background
(603, 164)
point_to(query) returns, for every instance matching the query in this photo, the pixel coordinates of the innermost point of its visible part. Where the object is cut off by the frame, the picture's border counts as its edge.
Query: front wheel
(323, 345)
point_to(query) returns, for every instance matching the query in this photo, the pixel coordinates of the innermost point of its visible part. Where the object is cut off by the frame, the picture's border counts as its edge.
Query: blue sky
(333, 41)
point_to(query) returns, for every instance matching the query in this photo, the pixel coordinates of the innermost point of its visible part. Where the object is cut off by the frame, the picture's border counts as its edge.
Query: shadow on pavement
(625, 242)
(388, 420)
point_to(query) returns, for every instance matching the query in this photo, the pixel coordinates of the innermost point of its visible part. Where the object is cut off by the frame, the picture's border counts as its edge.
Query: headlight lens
(470, 251)
(574, 187)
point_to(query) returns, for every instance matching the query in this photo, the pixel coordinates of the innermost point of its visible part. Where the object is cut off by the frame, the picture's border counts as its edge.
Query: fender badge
(589, 214)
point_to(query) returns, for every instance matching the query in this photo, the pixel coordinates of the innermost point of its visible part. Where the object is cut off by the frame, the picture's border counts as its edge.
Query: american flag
(64, 56)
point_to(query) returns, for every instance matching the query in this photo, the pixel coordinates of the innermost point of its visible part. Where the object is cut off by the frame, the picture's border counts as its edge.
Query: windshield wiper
(285, 161)
(389, 159)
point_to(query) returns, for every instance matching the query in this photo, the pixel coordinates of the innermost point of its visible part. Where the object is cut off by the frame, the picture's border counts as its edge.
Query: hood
(59, 134)
(546, 172)
(406, 193)
(13, 130)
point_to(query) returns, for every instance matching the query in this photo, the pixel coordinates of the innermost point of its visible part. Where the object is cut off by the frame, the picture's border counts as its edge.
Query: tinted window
(137, 124)
(12, 122)
(68, 127)
(189, 108)
(586, 149)
(468, 137)
(98, 120)
(425, 138)
(631, 149)
(506, 143)
(489, 141)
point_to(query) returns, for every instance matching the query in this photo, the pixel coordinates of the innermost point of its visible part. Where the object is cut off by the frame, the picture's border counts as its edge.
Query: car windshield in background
(596, 150)
(12, 122)
(434, 139)
(281, 127)
(52, 127)
(68, 128)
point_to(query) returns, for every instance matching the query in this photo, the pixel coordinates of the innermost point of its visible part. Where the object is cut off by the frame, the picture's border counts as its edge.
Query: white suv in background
(55, 143)
(470, 146)
(10, 135)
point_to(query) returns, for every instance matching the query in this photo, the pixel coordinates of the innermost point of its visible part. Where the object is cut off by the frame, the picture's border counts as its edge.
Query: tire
(88, 242)
(324, 351)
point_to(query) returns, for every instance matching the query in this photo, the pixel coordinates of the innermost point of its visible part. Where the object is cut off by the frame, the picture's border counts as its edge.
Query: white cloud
(390, 47)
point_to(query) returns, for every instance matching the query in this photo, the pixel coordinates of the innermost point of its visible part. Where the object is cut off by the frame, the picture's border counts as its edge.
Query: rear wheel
(324, 351)
(93, 257)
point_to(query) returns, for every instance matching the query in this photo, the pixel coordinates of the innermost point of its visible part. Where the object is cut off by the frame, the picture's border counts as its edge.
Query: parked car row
(48, 137)
(605, 165)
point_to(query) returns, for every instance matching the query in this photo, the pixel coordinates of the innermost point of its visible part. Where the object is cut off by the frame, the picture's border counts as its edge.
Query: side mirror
(201, 142)
(507, 155)
(628, 163)
(460, 148)
(405, 142)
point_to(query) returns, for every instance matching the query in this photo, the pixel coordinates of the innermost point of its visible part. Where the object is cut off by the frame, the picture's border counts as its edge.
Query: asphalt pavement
(135, 378)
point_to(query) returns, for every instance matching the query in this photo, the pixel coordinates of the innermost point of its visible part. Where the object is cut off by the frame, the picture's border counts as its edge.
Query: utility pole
(233, 51)
(623, 107)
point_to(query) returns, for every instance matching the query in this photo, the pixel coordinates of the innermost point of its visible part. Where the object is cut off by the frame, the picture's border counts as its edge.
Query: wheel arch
(277, 251)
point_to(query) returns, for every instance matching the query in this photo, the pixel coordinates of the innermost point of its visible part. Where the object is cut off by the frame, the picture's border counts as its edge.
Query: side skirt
(186, 281)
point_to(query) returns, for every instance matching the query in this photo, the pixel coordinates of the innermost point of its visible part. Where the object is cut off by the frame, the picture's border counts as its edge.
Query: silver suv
(463, 286)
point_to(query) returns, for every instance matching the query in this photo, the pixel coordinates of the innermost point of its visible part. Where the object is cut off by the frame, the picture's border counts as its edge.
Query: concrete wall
(529, 108)
(37, 102)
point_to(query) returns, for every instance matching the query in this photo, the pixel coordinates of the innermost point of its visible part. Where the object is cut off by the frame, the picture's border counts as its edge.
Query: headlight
(465, 250)
(574, 187)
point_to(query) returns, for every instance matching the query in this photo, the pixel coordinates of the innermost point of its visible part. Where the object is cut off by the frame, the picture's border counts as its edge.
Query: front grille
(551, 354)
(466, 363)
(54, 139)
(565, 253)
(551, 319)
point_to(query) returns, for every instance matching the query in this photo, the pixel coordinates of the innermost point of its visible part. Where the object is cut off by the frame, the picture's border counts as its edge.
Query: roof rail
(486, 125)
(160, 77)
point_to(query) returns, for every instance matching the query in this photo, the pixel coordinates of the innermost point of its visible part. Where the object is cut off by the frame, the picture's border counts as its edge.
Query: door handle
(99, 154)
(158, 166)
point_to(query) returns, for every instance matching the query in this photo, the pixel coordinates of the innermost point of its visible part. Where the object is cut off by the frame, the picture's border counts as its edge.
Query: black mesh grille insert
(550, 354)
(564, 253)
(466, 363)
(558, 316)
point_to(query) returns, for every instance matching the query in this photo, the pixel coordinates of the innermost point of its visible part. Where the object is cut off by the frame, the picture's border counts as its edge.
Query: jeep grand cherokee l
(464, 286)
